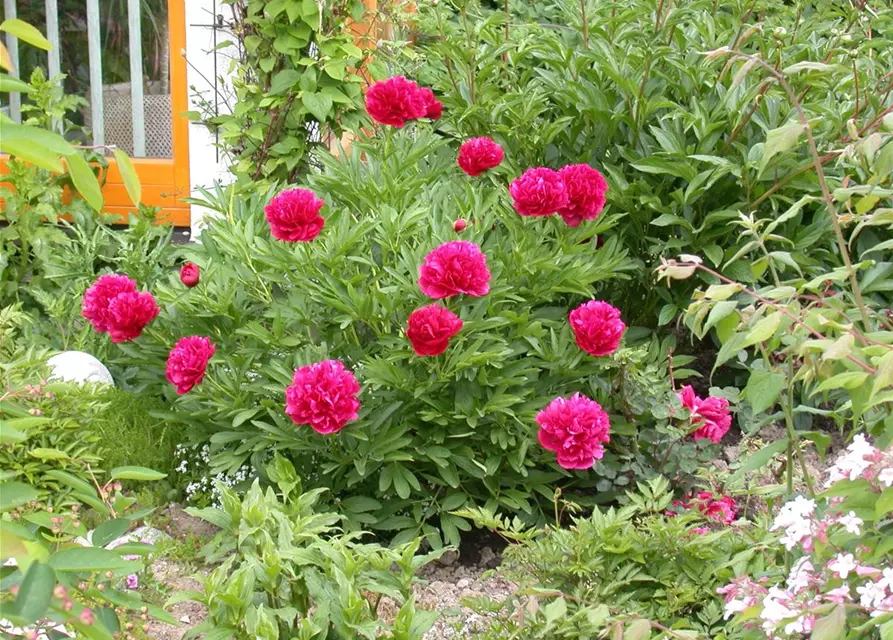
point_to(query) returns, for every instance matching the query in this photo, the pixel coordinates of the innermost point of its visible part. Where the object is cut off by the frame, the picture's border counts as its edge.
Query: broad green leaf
(884, 376)
(762, 457)
(36, 592)
(831, 626)
(284, 80)
(91, 559)
(719, 311)
(884, 504)
(555, 610)
(9, 84)
(44, 453)
(780, 140)
(841, 348)
(9, 434)
(72, 481)
(764, 329)
(638, 630)
(109, 531)
(722, 291)
(136, 473)
(846, 380)
(85, 181)
(763, 389)
(26, 33)
(13, 494)
(129, 177)
(360, 504)
(30, 152)
(317, 104)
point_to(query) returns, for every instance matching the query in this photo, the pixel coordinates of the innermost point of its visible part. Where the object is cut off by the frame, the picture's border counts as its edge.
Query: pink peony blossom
(711, 416)
(576, 429)
(430, 328)
(323, 395)
(477, 155)
(433, 107)
(187, 362)
(539, 192)
(189, 274)
(97, 298)
(396, 101)
(294, 215)
(597, 327)
(452, 268)
(586, 189)
(129, 313)
(722, 509)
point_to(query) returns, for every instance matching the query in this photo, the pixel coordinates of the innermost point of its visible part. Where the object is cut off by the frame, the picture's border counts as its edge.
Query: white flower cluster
(198, 460)
(795, 517)
(854, 462)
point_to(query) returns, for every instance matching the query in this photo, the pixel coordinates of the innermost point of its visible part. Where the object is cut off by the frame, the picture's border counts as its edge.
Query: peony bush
(417, 332)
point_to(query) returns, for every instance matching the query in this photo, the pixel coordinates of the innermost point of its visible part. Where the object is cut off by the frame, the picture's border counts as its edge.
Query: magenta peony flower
(129, 313)
(576, 429)
(433, 107)
(96, 299)
(187, 362)
(189, 274)
(396, 101)
(294, 215)
(430, 328)
(597, 327)
(323, 395)
(722, 509)
(710, 416)
(586, 189)
(476, 155)
(453, 268)
(539, 192)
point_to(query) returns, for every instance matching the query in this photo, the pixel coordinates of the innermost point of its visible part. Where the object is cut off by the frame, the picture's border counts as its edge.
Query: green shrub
(698, 154)
(630, 568)
(289, 572)
(433, 432)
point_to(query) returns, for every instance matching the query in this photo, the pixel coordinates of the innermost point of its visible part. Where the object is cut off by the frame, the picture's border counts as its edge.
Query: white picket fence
(97, 116)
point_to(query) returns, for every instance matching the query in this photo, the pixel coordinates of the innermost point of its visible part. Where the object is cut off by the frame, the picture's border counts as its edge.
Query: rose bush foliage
(431, 432)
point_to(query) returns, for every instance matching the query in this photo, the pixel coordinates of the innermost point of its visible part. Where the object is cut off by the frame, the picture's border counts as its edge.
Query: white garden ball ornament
(79, 367)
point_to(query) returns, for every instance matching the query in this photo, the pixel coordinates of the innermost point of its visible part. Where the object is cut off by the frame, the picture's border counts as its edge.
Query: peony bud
(189, 274)
(460, 225)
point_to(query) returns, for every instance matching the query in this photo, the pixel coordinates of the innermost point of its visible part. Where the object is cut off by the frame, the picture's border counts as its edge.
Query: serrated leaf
(763, 389)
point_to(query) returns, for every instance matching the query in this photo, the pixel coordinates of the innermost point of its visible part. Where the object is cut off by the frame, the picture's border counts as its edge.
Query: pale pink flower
(839, 595)
(851, 523)
(886, 476)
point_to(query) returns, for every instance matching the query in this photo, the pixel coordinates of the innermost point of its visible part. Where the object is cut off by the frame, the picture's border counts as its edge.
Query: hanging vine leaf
(129, 177)
(85, 181)
(26, 33)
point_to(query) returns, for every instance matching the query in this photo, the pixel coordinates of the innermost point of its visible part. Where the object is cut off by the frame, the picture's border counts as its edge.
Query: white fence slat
(138, 115)
(12, 44)
(54, 55)
(94, 46)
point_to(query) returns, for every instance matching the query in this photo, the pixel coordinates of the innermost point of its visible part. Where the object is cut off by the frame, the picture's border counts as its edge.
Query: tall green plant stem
(820, 173)
(584, 21)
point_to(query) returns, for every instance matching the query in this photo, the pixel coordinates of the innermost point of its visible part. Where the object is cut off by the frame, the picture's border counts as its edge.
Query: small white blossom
(851, 523)
(886, 476)
(871, 594)
(843, 564)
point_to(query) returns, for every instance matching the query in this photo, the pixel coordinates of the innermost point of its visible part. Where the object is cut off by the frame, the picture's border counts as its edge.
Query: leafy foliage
(626, 571)
(295, 81)
(287, 571)
(701, 157)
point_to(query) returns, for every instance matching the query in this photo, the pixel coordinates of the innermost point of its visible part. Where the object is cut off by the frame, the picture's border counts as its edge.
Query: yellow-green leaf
(764, 329)
(841, 348)
(129, 177)
(884, 376)
(26, 33)
(31, 152)
(85, 181)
